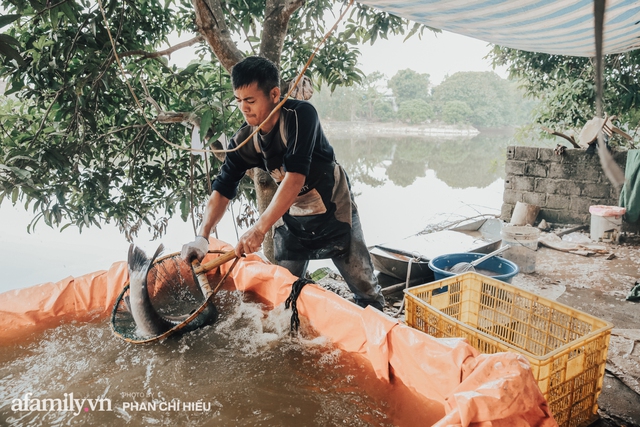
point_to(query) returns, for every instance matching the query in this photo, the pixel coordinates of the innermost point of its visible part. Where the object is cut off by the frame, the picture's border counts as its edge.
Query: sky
(438, 55)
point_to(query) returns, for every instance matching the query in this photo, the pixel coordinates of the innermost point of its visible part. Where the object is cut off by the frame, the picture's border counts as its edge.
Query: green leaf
(191, 68)
(10, 52)
(9, 40)
(205, 123)
(68, 11)
(7, 19)
(14, 195)
(214, 139)
(53, 15)
(184, 208)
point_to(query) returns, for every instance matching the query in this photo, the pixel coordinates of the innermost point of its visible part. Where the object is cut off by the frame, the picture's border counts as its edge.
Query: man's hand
(286, 194)
(196, 249)
(250, 241)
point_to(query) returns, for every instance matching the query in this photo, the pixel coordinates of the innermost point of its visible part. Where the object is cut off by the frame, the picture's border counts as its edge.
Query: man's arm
(213, 213)
(286, 194)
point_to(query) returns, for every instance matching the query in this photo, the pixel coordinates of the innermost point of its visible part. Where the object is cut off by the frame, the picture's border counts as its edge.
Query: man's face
(254, 104)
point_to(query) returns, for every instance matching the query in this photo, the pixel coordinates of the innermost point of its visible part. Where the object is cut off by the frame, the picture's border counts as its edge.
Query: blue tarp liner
(560, 27)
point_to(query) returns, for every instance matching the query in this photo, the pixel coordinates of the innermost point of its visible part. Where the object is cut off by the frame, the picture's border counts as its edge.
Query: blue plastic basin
(499, 268)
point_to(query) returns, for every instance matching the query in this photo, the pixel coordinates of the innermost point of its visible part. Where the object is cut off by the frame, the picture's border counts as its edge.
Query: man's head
(256, 88)
(255, 69)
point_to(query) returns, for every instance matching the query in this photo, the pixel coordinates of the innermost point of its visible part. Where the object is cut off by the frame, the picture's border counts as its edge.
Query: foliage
(565, 86)
(342, 104)
(493, 102)
(375, 105)
(415, 111)
(479, 99)
(408, 85)
(383, 111)
(362, 101)
(8, 43)
(455, 112)
(75, 146)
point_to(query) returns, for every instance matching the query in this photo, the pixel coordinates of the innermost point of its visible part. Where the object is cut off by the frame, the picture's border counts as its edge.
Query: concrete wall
(564, 186)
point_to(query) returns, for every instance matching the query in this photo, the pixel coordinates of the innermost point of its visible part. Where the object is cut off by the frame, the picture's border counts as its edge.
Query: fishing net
(177, 290)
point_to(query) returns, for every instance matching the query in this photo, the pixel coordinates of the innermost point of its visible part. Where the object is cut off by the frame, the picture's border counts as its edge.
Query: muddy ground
(597, 284)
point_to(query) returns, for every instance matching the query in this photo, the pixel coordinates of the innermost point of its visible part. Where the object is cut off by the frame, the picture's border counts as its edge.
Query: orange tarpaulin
(473, 389)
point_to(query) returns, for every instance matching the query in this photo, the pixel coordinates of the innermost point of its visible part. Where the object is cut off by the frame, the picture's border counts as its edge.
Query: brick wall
(563, 186)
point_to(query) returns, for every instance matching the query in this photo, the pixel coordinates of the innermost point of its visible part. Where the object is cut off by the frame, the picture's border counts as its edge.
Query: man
(312, 212)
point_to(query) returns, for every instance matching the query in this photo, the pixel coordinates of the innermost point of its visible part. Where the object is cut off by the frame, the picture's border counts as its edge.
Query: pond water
(244, 370)
(402, 185)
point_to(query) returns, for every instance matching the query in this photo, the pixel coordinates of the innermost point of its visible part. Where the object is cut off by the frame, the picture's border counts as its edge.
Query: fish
(148, 321)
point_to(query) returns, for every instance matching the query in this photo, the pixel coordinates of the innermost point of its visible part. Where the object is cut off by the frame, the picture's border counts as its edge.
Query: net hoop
(204, 286)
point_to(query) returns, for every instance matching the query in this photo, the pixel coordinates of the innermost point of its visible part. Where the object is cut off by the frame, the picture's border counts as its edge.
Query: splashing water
(243, 370)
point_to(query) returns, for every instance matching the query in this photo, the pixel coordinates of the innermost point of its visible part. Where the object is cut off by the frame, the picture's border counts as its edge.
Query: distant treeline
(479, 99)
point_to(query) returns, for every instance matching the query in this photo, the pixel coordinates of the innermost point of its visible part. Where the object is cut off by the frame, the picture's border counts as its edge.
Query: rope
(416, 258)
(275, 109)
(291, 301)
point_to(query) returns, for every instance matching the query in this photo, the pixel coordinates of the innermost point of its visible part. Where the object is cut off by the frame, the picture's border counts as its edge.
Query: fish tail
(158, 252)
(137, 260)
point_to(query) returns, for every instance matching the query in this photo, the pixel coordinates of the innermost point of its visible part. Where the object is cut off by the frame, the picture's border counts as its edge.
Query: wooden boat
(474, 235)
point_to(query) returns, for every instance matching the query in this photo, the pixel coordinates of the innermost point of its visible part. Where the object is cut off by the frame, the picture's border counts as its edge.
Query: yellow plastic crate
(567, 348)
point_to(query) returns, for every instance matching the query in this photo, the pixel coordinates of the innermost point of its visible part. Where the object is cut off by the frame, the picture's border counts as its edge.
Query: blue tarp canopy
(561, 27)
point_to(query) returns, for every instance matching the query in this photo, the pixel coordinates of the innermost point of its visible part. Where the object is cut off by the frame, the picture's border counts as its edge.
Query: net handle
(200, 269)
(214, 263)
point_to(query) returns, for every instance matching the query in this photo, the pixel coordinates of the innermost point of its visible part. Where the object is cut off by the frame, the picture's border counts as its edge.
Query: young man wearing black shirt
(312, 213)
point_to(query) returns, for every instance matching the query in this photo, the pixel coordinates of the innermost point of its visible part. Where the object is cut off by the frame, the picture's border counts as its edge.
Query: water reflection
(460, 162)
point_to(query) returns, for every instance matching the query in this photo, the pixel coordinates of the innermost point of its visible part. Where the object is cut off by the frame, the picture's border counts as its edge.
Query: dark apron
(318, 224)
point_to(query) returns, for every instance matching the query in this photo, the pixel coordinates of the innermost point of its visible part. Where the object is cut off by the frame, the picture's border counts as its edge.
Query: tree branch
(571, 139)
(290, 6)
(277, 15)
(211, 24)
(166, 52)
(173, 117)
(45, 116)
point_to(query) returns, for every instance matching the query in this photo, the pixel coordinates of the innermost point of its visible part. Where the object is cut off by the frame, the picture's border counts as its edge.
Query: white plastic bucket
(606, 222)
(524, 246)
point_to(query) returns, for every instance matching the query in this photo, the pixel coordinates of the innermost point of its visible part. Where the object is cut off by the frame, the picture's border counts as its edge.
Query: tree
(415, 111)
(376, 106)
(565, 86)
(80, 150)
(408, 84)
(493, 101)
(342, 104)
(455, 112)
(362, 101)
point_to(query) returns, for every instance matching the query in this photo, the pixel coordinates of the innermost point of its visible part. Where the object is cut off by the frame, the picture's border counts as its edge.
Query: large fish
(148, 320)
